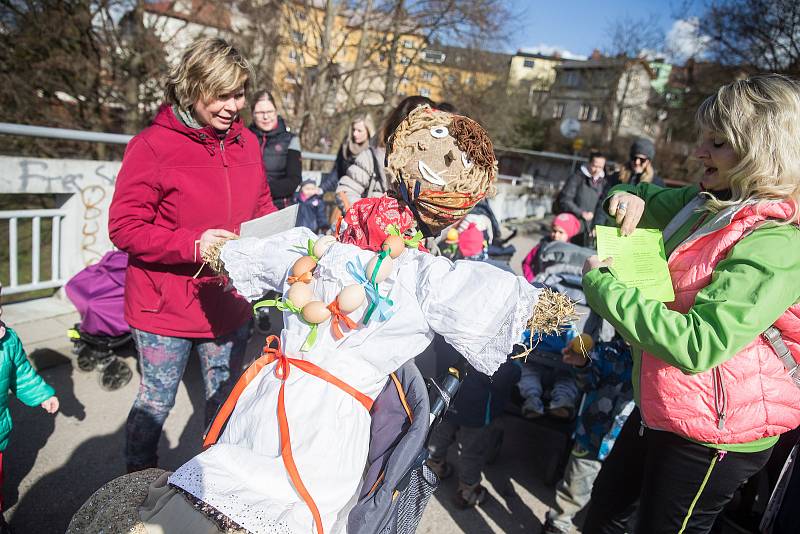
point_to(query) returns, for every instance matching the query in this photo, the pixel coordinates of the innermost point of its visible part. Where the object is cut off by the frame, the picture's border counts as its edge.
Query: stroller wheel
(115, 374)
(86, 360)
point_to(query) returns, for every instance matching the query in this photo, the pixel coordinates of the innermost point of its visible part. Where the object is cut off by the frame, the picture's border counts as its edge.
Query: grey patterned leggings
(163, 360)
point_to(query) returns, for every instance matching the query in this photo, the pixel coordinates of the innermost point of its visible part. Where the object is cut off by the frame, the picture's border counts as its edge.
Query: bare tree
(759, 35)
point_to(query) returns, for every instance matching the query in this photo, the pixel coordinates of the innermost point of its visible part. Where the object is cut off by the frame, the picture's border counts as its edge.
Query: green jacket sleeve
(661, 204)
(25, 383)
(749, 290)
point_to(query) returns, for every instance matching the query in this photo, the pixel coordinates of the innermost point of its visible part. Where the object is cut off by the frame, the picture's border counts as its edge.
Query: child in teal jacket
(18, 376)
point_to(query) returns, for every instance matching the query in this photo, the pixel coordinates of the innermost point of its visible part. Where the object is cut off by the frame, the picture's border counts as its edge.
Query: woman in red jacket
(187, 181)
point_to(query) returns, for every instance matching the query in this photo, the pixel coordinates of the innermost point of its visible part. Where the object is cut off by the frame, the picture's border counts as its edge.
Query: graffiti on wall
(35, 177)
(92, 198)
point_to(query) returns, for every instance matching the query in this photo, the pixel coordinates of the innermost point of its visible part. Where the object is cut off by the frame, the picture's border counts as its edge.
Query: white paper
(271, 224)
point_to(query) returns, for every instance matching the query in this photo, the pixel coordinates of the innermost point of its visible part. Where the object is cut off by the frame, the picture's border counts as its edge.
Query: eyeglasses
(266, 113)
(639, 159)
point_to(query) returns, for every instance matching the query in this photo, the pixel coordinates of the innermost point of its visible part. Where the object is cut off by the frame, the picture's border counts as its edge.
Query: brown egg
(323, 244)
(395, 245)
(303, 265)
(300, 294)
(315, 312)
(351, 297)
(383, 272)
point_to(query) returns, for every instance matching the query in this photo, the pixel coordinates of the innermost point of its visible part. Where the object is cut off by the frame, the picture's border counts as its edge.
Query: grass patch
(25, 244)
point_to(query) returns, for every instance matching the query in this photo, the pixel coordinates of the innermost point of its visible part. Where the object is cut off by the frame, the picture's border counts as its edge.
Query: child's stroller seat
(397, 484)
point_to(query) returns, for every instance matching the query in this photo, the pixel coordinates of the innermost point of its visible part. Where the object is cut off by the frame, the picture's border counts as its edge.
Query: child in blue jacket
(311, 207)
(18, 376)
(606, 379)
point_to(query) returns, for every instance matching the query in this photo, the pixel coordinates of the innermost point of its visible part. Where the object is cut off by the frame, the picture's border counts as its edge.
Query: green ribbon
(280, 303)
(410, 242)
(311, 339)
(308, 249)
(287, 305)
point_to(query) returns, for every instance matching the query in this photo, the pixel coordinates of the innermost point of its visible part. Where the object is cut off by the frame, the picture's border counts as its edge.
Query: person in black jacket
(582, 192)
(280, 150)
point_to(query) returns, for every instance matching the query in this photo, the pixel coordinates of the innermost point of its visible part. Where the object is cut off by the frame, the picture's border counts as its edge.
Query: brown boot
(470, 495)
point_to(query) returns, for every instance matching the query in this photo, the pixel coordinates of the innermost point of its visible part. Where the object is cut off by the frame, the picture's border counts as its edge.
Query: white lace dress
(477, 308)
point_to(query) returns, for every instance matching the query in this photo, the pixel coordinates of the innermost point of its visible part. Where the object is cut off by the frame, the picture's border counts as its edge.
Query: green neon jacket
(651, 326)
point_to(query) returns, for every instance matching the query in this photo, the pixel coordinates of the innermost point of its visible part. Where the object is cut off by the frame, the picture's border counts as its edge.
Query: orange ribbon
(305, 277)
(336, 316)
(269, 355)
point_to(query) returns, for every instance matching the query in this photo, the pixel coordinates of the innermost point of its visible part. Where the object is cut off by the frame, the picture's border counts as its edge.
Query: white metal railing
(36, 216)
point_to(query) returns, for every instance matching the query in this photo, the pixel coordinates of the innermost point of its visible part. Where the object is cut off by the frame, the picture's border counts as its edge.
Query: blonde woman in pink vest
(714, 371)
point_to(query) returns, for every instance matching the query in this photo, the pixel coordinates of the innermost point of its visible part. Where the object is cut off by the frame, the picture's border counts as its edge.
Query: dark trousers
(680, 486)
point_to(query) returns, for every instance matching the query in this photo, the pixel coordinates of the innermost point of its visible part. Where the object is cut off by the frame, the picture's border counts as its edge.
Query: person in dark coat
(280, 149)
(311, 209)
(582, 192)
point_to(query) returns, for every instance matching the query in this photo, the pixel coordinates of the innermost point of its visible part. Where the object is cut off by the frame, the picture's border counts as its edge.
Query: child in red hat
(564, 227)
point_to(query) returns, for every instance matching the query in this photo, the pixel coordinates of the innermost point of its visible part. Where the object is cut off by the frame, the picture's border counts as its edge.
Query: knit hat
(307, 182)
(643, 146)
(569, 223)
(470, 241)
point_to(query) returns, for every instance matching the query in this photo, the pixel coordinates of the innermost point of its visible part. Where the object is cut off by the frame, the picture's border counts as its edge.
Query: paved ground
(53, 464)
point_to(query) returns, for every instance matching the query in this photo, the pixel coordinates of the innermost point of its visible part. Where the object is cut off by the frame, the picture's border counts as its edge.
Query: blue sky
(579, 26)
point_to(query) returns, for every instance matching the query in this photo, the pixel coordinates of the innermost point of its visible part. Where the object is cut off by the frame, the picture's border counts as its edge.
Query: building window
(405, 60)
(528, 63)
(433, 56)
(425, 92)
(571, 78)
(427, 76)
(298, 37)
(594, 114)
(293, 55)
(558, 110)
(470, 80)
(404, 81)
(451, 79)
(407, 43)
(583, 114)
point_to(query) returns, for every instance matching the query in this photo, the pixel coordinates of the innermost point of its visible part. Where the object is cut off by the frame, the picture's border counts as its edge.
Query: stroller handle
(443, 391)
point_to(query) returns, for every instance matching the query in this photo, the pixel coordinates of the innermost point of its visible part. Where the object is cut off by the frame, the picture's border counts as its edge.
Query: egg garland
(350, 298)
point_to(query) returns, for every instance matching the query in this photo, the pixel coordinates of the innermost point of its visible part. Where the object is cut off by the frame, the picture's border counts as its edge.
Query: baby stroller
(397, 484)
(97, 293)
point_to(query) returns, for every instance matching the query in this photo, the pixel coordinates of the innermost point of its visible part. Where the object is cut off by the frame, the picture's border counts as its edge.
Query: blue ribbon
(379, 304)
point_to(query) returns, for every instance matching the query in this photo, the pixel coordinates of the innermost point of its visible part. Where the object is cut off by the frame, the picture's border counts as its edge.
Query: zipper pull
(721, 423)
(222, 152)
(641, 428)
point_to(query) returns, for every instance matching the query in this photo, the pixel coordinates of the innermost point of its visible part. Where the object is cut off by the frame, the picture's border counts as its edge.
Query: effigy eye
(439, 132)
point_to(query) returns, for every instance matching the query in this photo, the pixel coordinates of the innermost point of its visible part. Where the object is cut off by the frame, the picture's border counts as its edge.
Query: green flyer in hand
(639, 260)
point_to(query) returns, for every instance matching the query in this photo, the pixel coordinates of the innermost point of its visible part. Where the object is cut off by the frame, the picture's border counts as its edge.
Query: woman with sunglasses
(639, 168)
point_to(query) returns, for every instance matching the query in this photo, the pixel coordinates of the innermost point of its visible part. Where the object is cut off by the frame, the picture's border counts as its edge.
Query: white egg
(316, 312)
(351, 297)
(383, 271)
(323, 244)
(300, 294)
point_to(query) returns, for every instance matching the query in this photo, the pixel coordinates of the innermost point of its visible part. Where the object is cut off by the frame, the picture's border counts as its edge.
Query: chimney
(596, 55)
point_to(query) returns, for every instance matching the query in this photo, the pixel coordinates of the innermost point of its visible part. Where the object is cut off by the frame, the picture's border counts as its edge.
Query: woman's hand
(627, 209)
(593, 262)
(212, 236)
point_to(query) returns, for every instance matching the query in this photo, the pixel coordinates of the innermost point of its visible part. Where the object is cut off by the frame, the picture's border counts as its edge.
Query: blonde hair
(210, 67)
(760, 118)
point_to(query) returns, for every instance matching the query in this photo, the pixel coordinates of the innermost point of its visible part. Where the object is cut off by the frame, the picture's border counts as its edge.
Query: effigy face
(442, 164)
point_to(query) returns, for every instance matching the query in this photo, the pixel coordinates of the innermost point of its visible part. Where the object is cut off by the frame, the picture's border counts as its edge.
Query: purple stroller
(98, 292)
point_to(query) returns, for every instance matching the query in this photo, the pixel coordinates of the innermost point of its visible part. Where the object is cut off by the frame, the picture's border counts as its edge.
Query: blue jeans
(163, 361)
